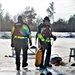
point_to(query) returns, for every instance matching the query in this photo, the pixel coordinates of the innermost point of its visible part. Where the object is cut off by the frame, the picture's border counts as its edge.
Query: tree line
(64, 26)
(29, 17)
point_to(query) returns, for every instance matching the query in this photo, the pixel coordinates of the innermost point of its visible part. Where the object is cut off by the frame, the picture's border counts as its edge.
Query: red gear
(46, 33)
(17, 30)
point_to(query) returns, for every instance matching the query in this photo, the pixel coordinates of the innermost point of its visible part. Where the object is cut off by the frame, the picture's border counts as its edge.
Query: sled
(32, 51)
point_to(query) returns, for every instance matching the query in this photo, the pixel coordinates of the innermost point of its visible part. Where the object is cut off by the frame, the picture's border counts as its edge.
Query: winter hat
(46, 18)
(19, 18)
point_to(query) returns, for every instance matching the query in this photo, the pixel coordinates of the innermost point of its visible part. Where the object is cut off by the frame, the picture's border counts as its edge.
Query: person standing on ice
(44, 35)
(19, 39)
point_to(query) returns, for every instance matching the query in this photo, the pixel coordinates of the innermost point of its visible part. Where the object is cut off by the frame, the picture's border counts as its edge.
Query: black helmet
(46, 18)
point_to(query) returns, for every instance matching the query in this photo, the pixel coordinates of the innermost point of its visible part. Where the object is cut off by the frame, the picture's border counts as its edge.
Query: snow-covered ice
(60, 47)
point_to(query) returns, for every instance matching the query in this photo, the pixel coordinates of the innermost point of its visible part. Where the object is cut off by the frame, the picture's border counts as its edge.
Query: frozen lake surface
(60, 47)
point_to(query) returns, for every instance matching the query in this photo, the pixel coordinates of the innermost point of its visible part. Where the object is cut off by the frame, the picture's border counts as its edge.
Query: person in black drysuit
(44, 37)
(19, 39)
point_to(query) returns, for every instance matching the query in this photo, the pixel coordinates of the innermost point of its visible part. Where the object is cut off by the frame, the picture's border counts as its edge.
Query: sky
(63, 8)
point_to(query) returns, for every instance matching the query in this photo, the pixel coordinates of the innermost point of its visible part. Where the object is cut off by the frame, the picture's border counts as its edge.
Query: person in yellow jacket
(19, 39)
(44, 35)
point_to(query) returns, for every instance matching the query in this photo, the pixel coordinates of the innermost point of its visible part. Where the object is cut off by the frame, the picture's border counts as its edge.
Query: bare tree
(29, 14)
(39, 20)
(1, 16)
(71, 23)
(7, 17)
(50, 10)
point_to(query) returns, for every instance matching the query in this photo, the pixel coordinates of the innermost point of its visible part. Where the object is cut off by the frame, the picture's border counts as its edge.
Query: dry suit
(20, 34)
(45, 35)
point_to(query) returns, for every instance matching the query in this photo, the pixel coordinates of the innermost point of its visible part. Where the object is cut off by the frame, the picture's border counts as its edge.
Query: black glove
(12, 44)
(30, 42)
(54, 38)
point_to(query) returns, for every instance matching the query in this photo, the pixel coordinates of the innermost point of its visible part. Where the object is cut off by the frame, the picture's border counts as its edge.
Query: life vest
(18, 27)
(47, 33)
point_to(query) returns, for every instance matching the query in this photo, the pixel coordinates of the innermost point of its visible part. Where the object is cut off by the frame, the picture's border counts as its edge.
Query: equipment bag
(38, 57)
(56, 61)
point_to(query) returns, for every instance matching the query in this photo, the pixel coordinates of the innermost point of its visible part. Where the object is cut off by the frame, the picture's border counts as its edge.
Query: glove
(30, 42)
(54, 38)
(12, 44)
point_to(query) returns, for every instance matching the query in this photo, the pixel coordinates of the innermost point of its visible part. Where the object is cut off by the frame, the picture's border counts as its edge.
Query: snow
(60, 47)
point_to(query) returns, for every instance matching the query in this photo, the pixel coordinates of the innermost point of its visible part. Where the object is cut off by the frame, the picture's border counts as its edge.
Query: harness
(18, 27)
(21, 31)
(46, 33)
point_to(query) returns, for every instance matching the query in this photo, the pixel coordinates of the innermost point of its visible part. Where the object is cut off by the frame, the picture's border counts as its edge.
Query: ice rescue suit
(45, 40)
(20, 34)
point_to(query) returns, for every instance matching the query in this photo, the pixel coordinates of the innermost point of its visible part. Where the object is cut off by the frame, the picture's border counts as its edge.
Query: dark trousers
(47, 47)
(21, 44)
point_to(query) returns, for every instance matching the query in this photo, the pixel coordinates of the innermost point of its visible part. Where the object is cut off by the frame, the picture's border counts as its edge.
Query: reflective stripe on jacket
(21, 32)
(40, 36)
